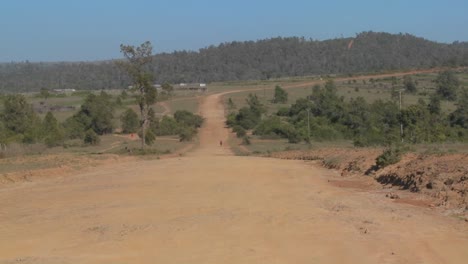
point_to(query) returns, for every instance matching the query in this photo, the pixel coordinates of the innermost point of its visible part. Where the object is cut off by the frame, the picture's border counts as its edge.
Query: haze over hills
(262, 59)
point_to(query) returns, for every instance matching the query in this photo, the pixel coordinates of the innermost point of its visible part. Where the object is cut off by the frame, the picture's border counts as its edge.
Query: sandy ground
(212, 207)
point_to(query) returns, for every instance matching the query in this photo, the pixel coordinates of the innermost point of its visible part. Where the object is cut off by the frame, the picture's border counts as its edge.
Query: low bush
(187, 133)
(389, 156)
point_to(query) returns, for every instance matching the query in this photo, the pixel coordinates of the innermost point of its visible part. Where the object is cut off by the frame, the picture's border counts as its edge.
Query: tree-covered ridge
(248, 60)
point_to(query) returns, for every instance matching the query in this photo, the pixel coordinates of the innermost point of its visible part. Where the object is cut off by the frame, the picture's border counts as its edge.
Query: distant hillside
(263, 59)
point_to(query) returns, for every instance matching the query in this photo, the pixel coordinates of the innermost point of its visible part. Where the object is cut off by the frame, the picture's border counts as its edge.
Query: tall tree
(137, 65)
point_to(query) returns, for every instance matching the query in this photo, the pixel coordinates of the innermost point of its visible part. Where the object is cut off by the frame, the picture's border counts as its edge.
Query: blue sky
(83, 30)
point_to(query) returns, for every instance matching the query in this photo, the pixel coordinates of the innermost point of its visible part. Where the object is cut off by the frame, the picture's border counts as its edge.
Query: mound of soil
(443, 177)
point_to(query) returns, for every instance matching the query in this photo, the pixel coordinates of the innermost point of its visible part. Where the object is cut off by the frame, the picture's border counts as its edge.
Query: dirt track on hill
(212, 207)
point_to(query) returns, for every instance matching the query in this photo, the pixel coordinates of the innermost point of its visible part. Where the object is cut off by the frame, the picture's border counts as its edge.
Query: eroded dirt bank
(442, 177)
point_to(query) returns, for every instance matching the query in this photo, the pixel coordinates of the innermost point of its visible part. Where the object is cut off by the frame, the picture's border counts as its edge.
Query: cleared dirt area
(212, 207)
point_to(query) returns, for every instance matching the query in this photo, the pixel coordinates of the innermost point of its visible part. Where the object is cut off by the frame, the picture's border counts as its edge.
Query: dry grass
(190, 104)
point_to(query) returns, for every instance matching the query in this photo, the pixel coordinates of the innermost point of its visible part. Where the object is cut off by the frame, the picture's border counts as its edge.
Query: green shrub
(281, 96)
(188, 118)
(96, 113)
(74, 128)
(283, 111)
(231, 120)
(149, 137)
(389, 156)
(53, 132)
(247, 118)
(91, 137)
(130, 121)
(187, 133)
(168, 126)
(293, 135)
(240, 131)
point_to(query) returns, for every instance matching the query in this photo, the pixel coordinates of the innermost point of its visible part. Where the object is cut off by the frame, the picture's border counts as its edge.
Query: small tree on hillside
(434, 104)
(409, 84)
(138, 60)
(281, 96)
(447, 85)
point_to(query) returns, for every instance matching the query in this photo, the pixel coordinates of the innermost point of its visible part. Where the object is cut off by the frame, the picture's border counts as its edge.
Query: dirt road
(212, 207)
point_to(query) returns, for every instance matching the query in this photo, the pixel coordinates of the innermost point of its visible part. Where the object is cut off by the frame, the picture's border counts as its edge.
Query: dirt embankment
(443, 177)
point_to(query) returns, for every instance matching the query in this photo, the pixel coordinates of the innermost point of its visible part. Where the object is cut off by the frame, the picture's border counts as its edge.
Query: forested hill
(263, 59)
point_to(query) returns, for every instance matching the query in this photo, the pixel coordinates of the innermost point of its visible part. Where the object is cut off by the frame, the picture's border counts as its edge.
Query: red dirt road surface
(212, 207)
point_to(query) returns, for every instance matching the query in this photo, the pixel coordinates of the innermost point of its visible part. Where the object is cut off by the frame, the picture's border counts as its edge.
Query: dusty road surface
(213, 207)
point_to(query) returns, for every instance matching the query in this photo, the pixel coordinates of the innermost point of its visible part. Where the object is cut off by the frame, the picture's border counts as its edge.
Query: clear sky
(84, 30)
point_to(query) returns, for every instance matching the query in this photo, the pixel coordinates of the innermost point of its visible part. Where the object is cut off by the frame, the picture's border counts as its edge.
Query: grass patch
(190, 104)
(441, 148)
(266, 146)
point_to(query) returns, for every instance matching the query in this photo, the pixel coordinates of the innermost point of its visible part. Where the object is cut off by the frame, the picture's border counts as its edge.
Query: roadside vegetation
(436, 113)
(100, 115)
